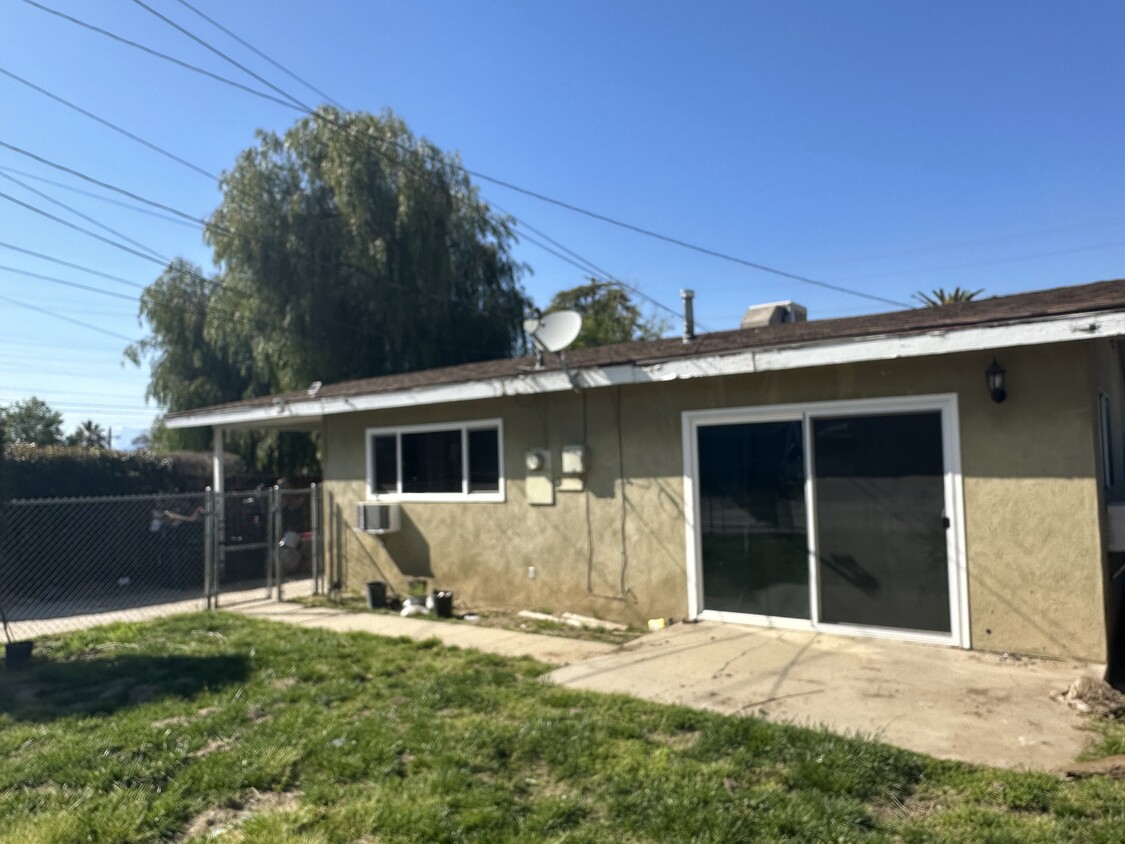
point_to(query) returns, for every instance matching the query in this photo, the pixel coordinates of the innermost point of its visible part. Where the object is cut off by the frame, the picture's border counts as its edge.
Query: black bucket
(17, 654)
(376, 595)
(443, 604)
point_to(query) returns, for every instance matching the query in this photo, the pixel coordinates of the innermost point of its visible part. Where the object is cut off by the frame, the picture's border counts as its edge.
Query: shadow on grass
(49, 689)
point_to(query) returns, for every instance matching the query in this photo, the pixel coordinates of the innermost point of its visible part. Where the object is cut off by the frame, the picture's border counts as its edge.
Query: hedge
(30, 471)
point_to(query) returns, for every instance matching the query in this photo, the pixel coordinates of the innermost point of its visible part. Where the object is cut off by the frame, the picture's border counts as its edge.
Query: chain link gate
(69, 563)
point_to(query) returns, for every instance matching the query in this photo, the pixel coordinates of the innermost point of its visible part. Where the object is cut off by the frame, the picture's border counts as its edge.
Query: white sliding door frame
(945, 404)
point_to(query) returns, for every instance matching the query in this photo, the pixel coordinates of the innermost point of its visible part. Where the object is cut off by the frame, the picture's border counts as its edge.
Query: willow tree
(345, 248)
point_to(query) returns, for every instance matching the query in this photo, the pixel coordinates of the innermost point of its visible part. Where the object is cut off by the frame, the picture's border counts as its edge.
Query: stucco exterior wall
(617, 550)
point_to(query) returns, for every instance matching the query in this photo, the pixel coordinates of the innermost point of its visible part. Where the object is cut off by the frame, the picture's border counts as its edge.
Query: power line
(260, 54)
(133, 410)
(187, 66)
(109, 125)
(78, 228)
(683, 243)
(186, 163)
(66, 283)
(222, 55)
(592, 214)
(79, 267)
(589, 267)
(72, 320)
(551, 200)
(1116, 222)
(101, 198)
(339, 125)
(1007, 260)
(77, 213)
(85, 177)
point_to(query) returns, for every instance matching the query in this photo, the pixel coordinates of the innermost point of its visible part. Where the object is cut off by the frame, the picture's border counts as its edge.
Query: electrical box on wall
(539, 485)
(573, 468)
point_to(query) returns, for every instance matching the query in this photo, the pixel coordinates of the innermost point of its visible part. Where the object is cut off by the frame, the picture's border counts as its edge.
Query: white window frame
(945, 403)
(464, 427)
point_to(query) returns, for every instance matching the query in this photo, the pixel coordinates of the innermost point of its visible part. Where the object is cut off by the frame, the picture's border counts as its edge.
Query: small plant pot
(17, 654)
(443, 604)
(376, 595)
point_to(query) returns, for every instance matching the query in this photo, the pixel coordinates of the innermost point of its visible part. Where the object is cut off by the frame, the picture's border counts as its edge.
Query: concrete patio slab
(955, 704)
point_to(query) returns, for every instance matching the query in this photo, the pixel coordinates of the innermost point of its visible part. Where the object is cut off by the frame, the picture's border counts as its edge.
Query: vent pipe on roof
(689, 314)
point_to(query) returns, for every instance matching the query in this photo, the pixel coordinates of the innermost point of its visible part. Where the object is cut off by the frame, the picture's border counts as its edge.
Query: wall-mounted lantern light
(994, 378)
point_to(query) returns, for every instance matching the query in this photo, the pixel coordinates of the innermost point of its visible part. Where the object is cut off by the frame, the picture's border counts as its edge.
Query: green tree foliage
(609, 315)
(941, 296)
(346, 248)
(89, 434)
(32, 422)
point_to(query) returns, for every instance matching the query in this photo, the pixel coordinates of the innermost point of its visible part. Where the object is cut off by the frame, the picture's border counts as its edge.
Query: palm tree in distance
(89, 435)
(941, 296)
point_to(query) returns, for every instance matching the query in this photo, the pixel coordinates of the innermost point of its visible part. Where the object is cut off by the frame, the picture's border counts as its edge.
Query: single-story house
(944, 475)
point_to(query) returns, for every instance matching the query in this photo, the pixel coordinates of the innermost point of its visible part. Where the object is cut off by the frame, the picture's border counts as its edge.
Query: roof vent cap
(773, 313)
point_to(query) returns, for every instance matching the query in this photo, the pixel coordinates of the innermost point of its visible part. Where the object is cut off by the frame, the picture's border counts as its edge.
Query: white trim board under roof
(307, 412)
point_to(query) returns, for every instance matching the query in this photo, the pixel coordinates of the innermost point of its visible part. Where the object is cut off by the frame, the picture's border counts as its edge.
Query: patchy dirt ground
(503, 619)
(213, 822)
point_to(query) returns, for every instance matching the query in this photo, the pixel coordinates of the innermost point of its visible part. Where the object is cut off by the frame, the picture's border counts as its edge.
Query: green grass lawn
(243, 730)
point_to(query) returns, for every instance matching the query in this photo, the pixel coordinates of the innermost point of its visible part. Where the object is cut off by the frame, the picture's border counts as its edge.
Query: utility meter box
(573, 468)
(540, 488)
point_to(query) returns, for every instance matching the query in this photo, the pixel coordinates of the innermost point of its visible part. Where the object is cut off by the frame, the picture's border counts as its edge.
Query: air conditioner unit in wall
(378, 518)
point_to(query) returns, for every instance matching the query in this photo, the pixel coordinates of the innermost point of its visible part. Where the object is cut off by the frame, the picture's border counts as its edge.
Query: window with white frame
(447, 462)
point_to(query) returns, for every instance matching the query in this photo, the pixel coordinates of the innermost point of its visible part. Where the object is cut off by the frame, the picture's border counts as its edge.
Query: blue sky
(886, 147)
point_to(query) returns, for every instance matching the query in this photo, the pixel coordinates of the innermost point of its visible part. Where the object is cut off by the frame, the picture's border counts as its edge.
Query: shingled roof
(998, 310)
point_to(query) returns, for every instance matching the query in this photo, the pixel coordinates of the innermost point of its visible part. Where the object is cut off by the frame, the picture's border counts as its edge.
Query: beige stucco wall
(1032, 525)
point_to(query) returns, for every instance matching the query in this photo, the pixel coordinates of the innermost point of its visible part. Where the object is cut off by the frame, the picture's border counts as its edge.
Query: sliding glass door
(752, 519)
(826, 515)
(879, 483)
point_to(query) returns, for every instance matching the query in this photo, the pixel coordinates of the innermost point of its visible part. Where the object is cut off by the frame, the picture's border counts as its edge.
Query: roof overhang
(305, 414)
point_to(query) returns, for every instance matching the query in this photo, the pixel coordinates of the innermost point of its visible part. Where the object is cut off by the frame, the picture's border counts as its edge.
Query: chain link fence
(69, 563)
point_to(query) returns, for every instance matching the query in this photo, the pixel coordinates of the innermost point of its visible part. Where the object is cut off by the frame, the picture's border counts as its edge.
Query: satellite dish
(557, 330)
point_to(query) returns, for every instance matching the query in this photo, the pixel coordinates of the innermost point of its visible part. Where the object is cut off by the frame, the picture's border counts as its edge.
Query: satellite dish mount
(552, 332)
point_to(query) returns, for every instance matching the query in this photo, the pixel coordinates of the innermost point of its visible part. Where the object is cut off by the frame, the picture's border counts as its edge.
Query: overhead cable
(262, 55)
(72, 320)
(87, 178)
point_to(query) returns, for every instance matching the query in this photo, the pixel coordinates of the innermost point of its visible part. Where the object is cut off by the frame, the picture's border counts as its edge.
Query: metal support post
(208, 546)
(314, 510)
(273, 555)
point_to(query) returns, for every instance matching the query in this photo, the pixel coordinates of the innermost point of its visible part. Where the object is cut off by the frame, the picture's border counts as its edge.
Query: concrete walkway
(554, 650)
(945, 702)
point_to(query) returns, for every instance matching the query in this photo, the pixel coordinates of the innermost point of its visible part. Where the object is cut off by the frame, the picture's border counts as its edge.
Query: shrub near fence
(70, 471)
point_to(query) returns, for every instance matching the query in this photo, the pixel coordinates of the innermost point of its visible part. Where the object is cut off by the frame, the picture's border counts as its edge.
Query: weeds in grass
(224, 728)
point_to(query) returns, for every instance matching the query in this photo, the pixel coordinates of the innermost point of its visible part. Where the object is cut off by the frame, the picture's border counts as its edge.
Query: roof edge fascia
(1072, 327)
